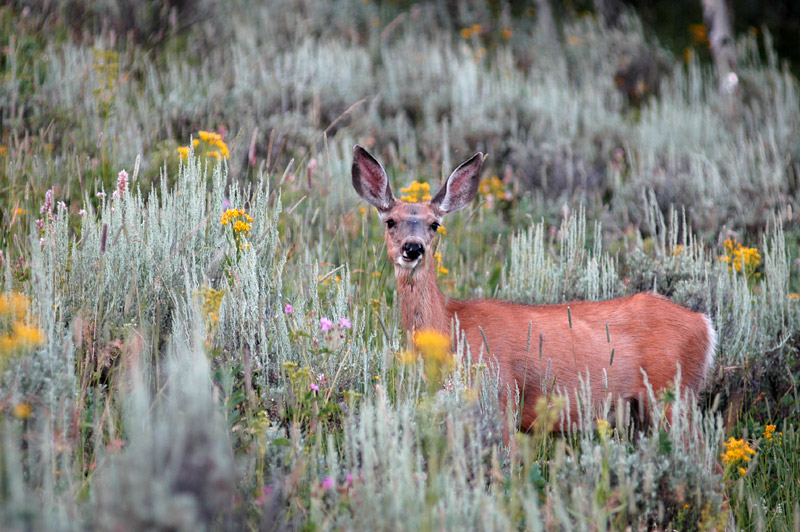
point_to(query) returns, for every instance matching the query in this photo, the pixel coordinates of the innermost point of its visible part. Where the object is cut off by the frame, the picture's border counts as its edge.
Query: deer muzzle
(412, 251)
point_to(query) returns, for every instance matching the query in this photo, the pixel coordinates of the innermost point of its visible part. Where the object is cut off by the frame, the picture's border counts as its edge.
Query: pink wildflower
(288, 308)
(344, 323)
(82, 212)
(314, 387)
(122, 184)
(325, 324)
(47, 207)
(328, 483)
(263, 496)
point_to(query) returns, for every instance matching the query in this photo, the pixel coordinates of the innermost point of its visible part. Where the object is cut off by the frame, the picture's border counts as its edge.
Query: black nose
(412, 250)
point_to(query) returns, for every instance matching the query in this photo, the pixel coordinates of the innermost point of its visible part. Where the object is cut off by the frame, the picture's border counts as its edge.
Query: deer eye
(434, 226)
(390, 223)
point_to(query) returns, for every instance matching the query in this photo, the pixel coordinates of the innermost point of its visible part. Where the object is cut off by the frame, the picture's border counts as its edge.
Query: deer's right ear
(370, 180)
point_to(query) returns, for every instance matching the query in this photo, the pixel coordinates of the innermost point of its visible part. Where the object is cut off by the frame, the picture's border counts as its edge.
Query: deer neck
(423, 306)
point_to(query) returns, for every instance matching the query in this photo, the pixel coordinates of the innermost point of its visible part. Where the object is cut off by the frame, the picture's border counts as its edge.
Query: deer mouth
(406, 262)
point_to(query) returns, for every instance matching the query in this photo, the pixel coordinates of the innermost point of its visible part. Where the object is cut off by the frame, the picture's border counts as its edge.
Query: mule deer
(647, 331)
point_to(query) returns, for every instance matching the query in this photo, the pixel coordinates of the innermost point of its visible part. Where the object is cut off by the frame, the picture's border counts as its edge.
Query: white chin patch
(406, 264)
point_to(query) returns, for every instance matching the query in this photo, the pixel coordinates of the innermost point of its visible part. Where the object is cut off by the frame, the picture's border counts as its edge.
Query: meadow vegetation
(199, 328)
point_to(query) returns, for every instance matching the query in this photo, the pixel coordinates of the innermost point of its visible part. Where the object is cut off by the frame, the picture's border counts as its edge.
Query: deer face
(410, 231)
(412, 227)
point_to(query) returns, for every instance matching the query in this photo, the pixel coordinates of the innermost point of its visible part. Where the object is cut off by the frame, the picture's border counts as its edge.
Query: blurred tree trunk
(720, 36)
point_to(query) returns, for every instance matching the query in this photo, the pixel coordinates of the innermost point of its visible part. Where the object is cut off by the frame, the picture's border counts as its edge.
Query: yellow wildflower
(433, 344)
(770, 434)
(27, 336)
(241, 227)
(505, 33)
(440, 264)
(441, 230)
(14, 303)
(794, 296)
(603, 429)
(213, 145)
(699, 33)
(736, 451)
(466, 33)
(476, 29)
(492, 186)
(416, 192)
(737, 257)
(22, 410)
(183, 151)
(742, 471)
(17, 335)
(434, 347)
(232, 214)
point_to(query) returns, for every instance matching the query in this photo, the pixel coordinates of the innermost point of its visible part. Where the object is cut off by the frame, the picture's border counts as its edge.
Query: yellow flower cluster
(699, 33)
(604, 429)
(548, 413)
(210, 300)
(22, 410)
(213, 147)
(13, 304)
(737, 454)
(16, 336)
(770, 434)
(238, 218)
(475, 29)
(416, 192)
(737, 256)
(440, 269)
(433, 344)
(492, 186)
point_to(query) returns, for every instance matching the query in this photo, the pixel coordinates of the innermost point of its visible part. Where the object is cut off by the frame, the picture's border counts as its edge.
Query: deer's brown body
(646, 331)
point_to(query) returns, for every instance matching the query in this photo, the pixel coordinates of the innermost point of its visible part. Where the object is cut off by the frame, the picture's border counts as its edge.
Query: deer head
(412, 227)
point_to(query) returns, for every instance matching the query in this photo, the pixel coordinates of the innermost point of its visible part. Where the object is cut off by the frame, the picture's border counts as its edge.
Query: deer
(649, 334)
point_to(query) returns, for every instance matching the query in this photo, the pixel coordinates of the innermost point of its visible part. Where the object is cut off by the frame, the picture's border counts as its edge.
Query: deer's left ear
(460, 188)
